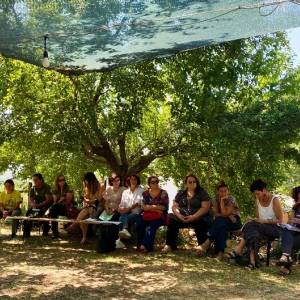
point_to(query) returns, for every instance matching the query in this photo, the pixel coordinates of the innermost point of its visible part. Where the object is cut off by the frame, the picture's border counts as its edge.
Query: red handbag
(149, 215)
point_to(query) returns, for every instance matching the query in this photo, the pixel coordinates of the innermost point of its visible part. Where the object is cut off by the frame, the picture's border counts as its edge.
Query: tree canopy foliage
(226, 111)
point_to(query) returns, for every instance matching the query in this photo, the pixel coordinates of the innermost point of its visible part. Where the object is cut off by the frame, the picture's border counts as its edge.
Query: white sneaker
(285, 259)
(124, 234)
(166, 249)
(120, 244)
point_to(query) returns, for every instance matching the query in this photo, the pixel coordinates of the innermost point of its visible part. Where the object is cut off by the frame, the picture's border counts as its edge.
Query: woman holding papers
(263, 226)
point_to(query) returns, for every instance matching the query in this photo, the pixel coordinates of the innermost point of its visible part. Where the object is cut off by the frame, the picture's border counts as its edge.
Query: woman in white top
(130, 207)
(264, 226)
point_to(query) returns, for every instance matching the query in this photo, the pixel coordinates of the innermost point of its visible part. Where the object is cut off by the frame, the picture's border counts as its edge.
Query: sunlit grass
(44, 269)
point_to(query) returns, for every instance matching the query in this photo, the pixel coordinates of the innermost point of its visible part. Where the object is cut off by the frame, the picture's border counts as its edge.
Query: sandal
(200, 252)
(232, 255)
(83, 241)
(142, 249)
(250, 267)
(285, 261)
(166, 249)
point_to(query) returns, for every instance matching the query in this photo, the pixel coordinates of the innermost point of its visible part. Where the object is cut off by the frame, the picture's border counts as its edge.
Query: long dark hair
(198, 187)
(295, 192)
(56, 185)
(92, 183)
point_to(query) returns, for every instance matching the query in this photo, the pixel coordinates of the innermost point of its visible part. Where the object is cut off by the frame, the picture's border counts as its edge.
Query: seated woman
(264, 226)
(130, 208)
(58, 208)
(113, 194)
(155, 209)
(227, 218)
(190, 210)
(10, 201)
(92, 202)
(290, 237)
(64, 207)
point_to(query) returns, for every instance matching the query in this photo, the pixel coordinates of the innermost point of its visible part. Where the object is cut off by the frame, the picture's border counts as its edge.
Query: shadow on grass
(44, 269)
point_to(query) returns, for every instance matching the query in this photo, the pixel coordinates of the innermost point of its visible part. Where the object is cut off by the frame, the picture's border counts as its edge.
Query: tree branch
(142, 163)
(145, 160)
(122, 149)
(99, 90)
(89, 155)
(103, 148)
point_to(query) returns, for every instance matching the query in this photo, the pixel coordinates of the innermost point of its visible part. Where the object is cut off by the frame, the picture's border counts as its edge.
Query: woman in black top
(60, 189)
(64, 204)
(190, 210)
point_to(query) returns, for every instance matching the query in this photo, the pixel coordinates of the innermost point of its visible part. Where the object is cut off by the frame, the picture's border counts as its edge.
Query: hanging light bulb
(45, 61)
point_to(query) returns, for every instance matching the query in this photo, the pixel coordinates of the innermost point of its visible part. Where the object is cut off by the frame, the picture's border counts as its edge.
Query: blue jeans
(218, 233)
(289, 240)
(129, 218)
(146, 233)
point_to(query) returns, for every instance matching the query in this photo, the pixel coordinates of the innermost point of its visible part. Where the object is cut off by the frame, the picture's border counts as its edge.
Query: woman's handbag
(151, 215)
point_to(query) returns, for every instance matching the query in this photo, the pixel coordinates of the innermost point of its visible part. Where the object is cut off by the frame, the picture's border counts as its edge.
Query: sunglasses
(153, 181)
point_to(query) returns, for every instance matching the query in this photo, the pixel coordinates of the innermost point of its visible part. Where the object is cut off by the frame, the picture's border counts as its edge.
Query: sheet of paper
(102, 222)
(289, 227)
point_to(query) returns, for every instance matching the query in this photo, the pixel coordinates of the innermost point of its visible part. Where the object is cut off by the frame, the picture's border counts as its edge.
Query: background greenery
(229, 111)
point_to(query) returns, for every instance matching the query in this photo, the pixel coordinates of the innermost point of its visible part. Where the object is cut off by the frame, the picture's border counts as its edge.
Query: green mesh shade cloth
(90, 35)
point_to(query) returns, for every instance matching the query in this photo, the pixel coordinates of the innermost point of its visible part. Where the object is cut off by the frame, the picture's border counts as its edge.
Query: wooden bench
(65, 221)
(42, 219)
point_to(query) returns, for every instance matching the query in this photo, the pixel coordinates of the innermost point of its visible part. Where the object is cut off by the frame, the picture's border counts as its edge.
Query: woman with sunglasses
(190, 210)
(155, 209)
(60, 189)
(59, 208)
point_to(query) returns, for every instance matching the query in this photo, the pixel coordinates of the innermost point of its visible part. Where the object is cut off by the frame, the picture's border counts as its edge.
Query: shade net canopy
(90, 35)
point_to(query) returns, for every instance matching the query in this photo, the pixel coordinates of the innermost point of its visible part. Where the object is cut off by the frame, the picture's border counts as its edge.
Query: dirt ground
(41, 268)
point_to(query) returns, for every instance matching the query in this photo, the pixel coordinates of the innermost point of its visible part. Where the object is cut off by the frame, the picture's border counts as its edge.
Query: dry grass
(44, 269)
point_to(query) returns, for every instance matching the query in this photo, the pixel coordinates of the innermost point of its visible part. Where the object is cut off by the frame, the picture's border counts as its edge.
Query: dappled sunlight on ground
(44, 269)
